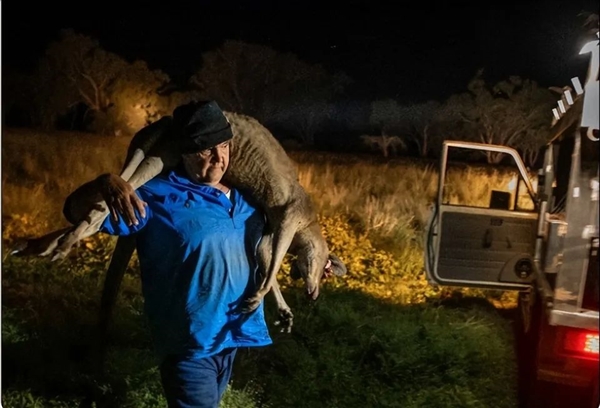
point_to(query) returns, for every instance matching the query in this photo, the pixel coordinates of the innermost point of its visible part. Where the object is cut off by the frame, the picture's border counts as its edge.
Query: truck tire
(526, 339)
(595, 394)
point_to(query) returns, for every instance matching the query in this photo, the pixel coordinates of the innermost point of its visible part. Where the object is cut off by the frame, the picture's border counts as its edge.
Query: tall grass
(384, 199)
(40, 169)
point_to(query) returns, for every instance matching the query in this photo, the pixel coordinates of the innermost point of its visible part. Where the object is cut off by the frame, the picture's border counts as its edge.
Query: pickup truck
(543, 245)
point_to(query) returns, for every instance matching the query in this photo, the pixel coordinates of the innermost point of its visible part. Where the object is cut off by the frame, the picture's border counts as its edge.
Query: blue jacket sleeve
(119, 227)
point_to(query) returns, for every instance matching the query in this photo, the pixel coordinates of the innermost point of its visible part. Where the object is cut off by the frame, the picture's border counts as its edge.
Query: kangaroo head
(313, 257)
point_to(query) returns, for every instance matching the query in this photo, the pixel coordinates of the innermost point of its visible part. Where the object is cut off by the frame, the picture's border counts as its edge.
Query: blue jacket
(196, 249)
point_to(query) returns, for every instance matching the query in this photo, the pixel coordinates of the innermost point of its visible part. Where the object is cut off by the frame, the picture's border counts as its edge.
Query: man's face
(208, 166)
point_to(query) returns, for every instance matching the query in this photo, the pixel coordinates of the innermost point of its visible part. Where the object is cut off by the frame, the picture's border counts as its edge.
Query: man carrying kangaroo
(196, 239)
(216, 163)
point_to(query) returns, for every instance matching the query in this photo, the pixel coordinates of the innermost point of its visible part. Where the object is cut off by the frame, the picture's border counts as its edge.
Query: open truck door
(489, 245)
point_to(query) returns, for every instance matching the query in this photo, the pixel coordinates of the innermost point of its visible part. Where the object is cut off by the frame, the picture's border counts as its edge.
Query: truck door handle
(488, 237)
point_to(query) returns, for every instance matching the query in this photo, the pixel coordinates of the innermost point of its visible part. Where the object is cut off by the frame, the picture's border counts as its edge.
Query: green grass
(348, 349)
(353, 350)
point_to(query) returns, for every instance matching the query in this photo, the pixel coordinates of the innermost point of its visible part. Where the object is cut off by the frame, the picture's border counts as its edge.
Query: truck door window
(499, 187)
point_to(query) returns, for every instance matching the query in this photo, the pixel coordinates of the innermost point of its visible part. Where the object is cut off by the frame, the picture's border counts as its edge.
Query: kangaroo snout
(312, 289)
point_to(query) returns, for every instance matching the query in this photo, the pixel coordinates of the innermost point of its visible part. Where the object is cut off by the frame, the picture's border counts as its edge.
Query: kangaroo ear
(337, 266)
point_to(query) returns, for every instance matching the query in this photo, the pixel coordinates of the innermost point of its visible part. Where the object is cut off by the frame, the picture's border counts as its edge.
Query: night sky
(413, 52)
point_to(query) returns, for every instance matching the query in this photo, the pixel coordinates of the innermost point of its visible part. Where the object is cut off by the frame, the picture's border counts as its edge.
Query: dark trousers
(196, 383)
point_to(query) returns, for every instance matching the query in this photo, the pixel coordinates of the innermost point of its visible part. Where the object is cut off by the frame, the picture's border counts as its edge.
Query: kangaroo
(258, 166)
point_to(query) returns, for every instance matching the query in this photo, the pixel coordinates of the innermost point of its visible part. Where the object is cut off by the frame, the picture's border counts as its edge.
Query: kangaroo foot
(42, 246)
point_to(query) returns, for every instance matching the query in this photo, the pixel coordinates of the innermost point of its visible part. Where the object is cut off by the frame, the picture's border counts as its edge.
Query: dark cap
(202, 125)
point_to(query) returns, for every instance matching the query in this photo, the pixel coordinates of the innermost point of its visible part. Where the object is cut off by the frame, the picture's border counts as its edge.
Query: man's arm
(129, 211)
(121, 198)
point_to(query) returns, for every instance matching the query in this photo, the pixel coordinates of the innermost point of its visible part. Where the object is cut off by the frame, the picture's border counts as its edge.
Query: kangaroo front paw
(286, 320)
(42, 246)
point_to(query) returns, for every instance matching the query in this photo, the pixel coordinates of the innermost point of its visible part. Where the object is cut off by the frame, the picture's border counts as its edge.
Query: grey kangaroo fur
(259, 166)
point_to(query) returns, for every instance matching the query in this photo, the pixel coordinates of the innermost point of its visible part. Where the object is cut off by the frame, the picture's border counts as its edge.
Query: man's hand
(121, 198)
